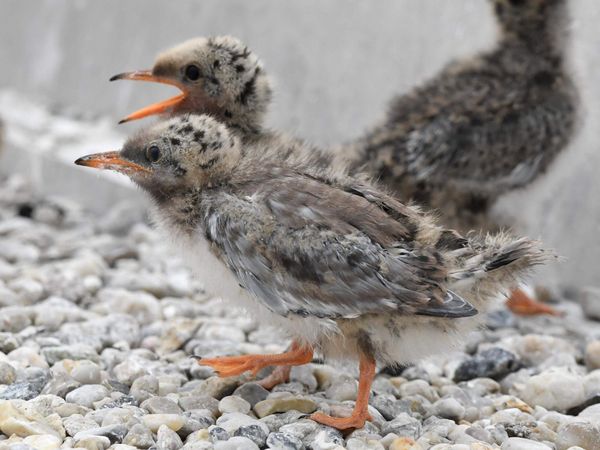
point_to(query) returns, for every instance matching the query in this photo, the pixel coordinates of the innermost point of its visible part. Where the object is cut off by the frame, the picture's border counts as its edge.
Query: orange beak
(156, 108)
(111, 161)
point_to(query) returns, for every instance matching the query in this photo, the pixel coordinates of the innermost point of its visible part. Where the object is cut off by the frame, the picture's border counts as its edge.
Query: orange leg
(228, 366)
(281, 374)
(360, 414)
(521, 304)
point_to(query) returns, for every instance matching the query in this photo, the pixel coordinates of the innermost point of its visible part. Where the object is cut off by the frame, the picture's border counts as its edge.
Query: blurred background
(335, 65)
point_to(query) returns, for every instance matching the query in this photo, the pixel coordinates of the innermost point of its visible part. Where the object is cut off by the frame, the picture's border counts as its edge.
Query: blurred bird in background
(483, 126)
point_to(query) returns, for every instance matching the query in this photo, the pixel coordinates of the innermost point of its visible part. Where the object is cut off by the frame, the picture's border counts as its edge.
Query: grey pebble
(252, 393)
(114, 432)
(218, 434)
(91, 442)
(87, 395)
(8, 374)
(492, 363)
(449, 408)
(233, 403)
(144, 387)
(192, 402)
(72, 351)
(86, 372)
(77, 423)
(161, 405)
(167, 439)
(139, 436)
(388, 405)
(255, 433)
(236, 443)
(283, 441)
(197, 419)
(9, 342)
(24, 390)
(403, 425)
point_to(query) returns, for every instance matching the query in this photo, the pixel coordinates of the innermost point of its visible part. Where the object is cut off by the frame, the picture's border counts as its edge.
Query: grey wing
(313, 270)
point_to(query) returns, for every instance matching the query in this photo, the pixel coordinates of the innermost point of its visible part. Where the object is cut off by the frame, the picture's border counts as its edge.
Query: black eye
(153, 153)
(192, 72)
(517, 2)
(216, 64)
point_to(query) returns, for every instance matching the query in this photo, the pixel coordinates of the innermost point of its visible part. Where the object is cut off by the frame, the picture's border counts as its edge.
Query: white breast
(217, 279)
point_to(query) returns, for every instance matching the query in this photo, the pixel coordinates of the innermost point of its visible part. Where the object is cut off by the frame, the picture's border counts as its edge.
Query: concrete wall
(335, 64)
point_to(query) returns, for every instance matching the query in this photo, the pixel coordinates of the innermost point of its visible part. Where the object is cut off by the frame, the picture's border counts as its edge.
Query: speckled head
(218, 76)
(178, 155)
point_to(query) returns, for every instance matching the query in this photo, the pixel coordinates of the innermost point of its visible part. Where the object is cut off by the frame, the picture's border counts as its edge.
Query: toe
(341, 423)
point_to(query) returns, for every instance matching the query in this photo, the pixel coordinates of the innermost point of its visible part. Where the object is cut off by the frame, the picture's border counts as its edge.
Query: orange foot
(356, 420)
(523, 305)
(229, 366)
(281, 374)
(360, 414)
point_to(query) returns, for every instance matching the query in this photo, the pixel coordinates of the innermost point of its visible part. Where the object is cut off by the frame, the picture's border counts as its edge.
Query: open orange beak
(111, 161)
(156, 108)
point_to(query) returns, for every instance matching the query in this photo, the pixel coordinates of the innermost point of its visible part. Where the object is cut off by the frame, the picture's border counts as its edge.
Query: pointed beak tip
(115, 77)
(80, 161)
(122, 121)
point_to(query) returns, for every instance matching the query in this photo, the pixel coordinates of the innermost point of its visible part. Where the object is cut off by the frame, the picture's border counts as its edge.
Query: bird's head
(218, 76)
(182, 154)
(527, 17)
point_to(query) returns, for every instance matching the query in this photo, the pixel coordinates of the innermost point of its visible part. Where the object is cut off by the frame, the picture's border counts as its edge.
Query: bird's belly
(216, 277)
(398, 339)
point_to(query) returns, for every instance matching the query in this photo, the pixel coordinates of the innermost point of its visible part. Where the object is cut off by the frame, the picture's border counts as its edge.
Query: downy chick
(343, 268)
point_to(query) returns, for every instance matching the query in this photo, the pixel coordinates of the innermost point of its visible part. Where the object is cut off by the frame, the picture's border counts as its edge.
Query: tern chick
(483, 126)
(343, 268)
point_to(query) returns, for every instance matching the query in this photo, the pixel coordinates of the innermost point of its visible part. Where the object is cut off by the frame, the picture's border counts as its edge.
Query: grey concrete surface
(335, 64)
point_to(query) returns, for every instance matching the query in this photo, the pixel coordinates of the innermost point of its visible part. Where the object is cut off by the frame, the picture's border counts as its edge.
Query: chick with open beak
(343, 268)
(217, 76)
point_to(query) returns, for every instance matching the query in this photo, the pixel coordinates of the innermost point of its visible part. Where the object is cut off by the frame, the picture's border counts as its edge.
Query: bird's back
(478, 129)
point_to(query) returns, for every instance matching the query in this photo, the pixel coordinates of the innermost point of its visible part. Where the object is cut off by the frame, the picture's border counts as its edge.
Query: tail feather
(500, 260)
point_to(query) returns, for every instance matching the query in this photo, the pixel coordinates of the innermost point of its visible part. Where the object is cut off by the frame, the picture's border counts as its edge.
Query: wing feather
(302, 247)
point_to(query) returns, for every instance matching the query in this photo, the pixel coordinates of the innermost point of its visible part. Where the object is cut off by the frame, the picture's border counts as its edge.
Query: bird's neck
(533, 43)
(183, 213)
(246, 125)
(544, 37)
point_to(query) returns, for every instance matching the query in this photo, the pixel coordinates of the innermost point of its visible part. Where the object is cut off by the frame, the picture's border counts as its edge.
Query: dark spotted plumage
(482, 126)
(231, 85)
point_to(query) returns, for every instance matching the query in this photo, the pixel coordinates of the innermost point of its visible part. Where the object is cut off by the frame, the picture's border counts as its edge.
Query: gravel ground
(98, 321)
